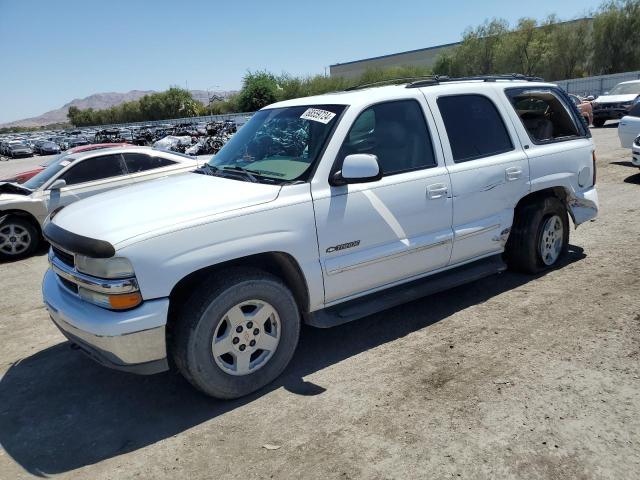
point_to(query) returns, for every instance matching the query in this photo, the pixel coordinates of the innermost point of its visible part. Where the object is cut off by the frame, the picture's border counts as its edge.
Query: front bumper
(610, 113)
(132, 340)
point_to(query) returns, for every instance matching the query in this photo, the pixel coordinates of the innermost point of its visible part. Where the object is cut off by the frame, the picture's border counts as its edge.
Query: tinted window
(94, 169)
(396, 132)
(139, 162)
(544, 114)
(474, 127)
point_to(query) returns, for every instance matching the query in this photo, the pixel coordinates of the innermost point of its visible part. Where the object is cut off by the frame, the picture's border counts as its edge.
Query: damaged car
(24, 208)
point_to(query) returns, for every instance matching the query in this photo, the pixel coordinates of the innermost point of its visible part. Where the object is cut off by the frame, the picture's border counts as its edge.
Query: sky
(52, 51)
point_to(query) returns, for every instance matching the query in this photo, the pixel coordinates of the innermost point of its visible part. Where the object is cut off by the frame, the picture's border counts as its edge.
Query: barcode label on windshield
(318, 115)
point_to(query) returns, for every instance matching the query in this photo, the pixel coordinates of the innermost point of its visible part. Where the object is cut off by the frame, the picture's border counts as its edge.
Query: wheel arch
(558, 192)
(280, 264)
(4, 214)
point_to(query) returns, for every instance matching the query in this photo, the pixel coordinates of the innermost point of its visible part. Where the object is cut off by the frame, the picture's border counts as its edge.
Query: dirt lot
(508, 377)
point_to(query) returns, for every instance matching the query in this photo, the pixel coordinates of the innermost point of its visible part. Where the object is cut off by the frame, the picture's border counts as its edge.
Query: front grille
(70, 285)
(65, 257)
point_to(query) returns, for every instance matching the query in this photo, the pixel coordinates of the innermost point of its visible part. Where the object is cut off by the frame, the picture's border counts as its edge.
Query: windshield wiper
(244, 171)
(207, 169)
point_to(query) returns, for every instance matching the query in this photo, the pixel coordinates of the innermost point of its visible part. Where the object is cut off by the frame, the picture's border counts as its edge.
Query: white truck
(320, 210)
(617, 103)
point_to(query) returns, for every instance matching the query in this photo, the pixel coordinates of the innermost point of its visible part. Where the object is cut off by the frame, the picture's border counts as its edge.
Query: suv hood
(161, 205)
(616, 98)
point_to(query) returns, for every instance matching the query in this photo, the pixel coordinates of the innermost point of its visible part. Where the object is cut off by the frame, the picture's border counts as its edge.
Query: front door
(394, 229)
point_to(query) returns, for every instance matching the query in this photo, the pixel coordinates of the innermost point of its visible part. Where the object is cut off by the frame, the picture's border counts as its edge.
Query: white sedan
(629, 127)
(23, 208)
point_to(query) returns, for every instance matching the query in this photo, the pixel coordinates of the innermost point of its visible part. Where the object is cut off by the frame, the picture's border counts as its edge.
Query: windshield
(280, 143)
(626, 89)
(45, 175)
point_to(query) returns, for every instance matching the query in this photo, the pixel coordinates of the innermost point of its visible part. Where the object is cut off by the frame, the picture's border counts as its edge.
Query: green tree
(616, 37)
(259, 89)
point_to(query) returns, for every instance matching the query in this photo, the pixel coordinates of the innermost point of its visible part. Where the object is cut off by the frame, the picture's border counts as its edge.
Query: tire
(534, 245)
(211, 315)
(599, 122)
(19, 238)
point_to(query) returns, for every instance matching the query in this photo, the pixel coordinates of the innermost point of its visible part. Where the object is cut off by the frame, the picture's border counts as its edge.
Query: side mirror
(358, 168)
(58, 184)
(591, 98)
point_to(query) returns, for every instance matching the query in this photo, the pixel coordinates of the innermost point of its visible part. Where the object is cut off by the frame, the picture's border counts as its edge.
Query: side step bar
(392, 297)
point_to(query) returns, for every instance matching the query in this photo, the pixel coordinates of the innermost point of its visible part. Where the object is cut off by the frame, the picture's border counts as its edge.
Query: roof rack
(428, 80)
(392, 81)
(437, 79)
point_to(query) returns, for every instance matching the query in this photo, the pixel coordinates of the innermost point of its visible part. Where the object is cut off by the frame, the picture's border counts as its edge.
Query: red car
(24, 176)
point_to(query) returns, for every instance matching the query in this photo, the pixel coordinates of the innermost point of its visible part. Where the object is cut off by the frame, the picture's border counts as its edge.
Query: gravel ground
(509, 377)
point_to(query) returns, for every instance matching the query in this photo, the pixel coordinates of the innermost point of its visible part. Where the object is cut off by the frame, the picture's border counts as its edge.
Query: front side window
(279, 144)
(96, 168)
(395, 132)
(544, 114)
(474, 127)
(140, 162)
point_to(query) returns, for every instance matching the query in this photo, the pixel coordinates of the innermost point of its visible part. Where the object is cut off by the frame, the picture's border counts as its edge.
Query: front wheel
(236, 333)
(539, 236)
(18, 238)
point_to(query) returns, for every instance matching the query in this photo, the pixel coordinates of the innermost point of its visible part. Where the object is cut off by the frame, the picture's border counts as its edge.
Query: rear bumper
(584, 206)
(132, 340)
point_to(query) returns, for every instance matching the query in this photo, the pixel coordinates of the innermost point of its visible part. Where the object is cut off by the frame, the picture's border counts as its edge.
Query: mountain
(97, 101)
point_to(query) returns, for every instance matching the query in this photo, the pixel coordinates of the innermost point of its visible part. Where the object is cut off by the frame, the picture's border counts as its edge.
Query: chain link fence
(239, 118)
(595, 85)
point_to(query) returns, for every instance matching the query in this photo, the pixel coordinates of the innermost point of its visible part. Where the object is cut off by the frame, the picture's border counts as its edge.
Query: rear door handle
(513, 173)
(437, 190)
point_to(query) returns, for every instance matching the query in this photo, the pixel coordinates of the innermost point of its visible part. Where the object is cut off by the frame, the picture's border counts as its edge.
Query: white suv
(320, 210)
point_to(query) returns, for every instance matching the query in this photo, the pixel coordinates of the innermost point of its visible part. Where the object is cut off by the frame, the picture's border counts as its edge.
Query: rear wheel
(236, 333)
(599, 122)
(18, 238)
(539, 236)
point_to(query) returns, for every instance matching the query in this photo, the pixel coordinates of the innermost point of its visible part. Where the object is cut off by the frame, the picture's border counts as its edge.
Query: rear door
(143, 166)
(488, 168)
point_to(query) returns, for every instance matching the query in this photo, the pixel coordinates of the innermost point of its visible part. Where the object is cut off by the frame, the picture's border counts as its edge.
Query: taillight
(593, 156)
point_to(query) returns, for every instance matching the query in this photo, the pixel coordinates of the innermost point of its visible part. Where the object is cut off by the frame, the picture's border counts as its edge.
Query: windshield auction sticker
(318, 115)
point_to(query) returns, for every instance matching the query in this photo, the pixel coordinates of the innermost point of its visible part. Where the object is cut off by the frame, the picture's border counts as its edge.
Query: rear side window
(140, 162)
(96, 168)
(396, 132)
(544, 114)
(474, 127)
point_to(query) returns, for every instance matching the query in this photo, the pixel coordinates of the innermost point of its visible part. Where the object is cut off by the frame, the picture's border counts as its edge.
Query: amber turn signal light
(127, 300)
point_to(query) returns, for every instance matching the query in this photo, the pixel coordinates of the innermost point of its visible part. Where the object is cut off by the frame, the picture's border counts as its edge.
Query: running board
(392, 297)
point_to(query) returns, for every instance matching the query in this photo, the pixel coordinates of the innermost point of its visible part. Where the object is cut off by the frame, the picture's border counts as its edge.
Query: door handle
(437, 190)
(513, 173)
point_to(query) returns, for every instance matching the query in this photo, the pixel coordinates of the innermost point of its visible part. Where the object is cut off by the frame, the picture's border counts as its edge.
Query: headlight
(637, 141)
(114, 267)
